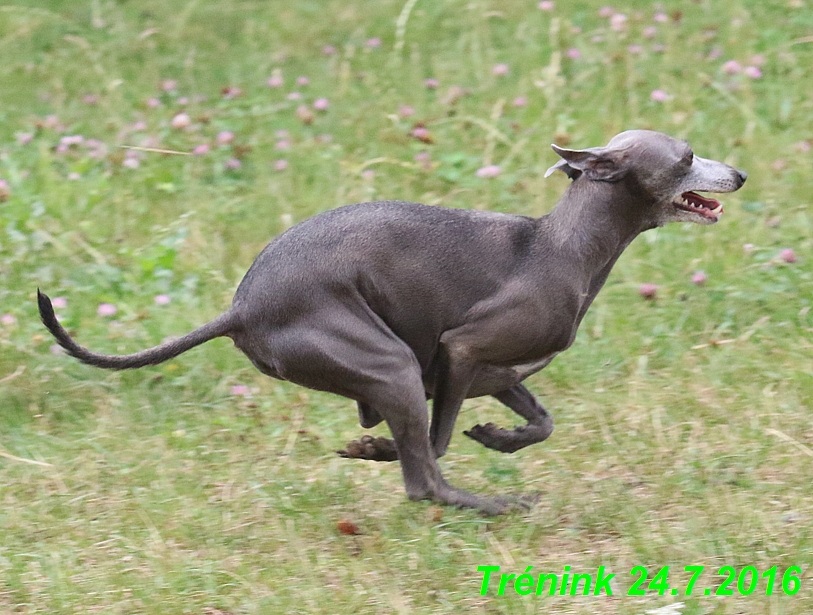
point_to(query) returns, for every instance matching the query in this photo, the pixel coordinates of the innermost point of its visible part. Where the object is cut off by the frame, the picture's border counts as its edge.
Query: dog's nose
(742, 175)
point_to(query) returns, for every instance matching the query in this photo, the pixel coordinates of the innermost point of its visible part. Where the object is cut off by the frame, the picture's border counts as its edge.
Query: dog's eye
(688, 157)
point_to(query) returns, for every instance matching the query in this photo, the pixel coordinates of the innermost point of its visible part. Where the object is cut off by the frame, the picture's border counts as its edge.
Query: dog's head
(666, 169)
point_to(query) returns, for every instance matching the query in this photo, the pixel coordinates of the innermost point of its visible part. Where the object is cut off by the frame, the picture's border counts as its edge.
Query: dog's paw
(509, 440)
(370, 448)
(480, 431)
(491, 436)
(496, 438)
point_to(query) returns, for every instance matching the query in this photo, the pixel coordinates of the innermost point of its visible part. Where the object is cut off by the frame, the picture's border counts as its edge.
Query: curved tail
(222, 325)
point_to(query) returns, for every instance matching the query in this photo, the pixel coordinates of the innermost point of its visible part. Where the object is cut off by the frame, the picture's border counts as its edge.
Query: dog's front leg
(521, 401)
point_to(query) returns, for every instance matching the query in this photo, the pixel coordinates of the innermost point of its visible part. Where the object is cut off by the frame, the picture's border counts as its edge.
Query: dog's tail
(222, 325)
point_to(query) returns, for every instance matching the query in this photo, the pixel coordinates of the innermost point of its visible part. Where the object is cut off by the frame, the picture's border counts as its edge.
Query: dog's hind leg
(384, 374)
(521, 401)
(402, 403)
(398, 396)
(369, 447)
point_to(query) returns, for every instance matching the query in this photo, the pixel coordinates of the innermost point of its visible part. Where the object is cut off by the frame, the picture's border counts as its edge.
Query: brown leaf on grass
(434, 513)
(348, 528)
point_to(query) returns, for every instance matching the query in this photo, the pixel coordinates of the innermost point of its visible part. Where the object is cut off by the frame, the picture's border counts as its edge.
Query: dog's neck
(595, 221)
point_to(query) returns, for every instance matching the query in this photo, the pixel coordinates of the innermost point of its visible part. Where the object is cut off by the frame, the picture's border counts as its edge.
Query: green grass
(165, 493)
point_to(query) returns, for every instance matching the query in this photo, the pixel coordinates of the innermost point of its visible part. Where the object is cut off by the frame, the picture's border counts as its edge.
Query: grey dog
(393, 303)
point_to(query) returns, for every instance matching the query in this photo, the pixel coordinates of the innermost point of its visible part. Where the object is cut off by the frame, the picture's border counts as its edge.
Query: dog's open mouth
(691, 201)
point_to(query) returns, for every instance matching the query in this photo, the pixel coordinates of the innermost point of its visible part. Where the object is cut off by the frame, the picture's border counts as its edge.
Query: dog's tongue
(702, 201)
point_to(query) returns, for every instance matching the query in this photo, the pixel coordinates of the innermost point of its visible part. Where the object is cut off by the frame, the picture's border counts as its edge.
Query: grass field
(684, 423)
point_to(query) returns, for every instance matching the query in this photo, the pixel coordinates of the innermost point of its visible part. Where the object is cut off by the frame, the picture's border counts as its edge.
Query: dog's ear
(603, 164)
(565, 168)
